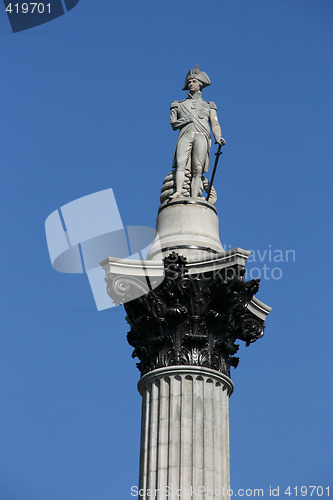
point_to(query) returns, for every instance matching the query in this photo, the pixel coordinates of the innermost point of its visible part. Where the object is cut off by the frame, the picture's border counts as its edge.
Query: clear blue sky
(85, 107)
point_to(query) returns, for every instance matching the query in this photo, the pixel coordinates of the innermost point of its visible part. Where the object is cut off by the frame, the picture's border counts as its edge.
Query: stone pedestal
(188, 226)
(185, 434)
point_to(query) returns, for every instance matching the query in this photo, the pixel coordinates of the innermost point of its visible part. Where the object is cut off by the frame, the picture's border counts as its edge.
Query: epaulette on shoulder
(174, 104)
(212, 105)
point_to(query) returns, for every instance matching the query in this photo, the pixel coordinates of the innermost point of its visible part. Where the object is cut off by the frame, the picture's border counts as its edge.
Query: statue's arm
(176, 122)
(214, 123)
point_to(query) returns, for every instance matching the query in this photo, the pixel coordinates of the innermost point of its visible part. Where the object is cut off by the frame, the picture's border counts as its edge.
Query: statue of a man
(193, 117)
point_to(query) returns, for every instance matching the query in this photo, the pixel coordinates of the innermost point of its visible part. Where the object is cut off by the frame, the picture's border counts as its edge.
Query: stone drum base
(187, 226)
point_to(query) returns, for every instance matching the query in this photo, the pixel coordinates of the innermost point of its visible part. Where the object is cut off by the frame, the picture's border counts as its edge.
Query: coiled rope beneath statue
(169, 187)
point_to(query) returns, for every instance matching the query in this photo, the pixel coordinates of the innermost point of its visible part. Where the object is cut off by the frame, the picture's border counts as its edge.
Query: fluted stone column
(184, 434)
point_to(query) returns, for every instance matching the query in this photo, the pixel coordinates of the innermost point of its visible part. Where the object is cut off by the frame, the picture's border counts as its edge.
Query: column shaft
(185, 434)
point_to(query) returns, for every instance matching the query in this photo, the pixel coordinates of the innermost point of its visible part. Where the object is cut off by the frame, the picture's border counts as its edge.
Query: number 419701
(29, 8)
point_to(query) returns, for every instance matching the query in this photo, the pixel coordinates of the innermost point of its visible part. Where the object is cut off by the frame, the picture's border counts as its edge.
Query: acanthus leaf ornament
(190, 319)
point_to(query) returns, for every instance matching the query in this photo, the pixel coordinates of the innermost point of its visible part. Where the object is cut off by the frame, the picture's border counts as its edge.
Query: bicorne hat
(199, 75)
